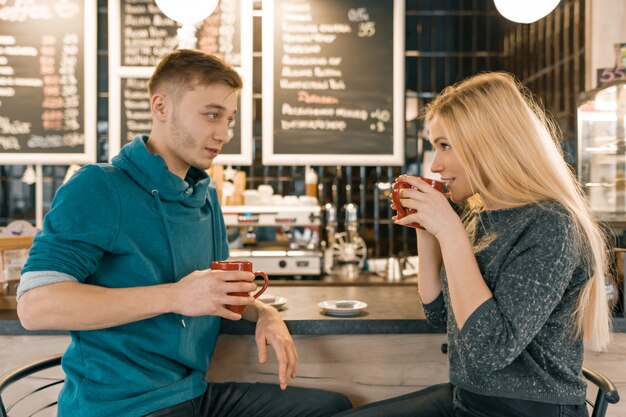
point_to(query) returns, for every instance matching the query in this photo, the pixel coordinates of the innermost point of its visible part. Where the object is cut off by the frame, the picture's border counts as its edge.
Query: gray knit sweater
(519, 343)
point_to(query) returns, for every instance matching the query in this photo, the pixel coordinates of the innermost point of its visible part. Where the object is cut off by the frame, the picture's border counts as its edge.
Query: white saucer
(342, 308)
(273, 300)
(279, 302)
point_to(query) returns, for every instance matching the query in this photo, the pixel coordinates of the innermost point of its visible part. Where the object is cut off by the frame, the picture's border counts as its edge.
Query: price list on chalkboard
(147, 34)
(46, 113)
(136, 114)
(142, 35)
(335, 72)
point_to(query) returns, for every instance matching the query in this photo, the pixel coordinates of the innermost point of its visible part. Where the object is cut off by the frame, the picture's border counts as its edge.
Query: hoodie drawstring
(168, 234)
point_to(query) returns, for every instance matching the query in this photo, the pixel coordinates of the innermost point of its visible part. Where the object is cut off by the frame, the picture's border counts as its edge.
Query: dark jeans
(262, 400)
(447, 401)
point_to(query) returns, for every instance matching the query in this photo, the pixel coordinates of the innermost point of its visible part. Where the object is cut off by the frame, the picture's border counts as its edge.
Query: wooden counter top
(391, 310)
(384, 302)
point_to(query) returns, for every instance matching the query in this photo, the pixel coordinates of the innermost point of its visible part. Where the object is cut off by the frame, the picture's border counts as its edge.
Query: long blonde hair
(503, 139)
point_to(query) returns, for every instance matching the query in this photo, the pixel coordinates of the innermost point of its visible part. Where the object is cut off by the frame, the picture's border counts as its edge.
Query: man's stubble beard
(181, 138)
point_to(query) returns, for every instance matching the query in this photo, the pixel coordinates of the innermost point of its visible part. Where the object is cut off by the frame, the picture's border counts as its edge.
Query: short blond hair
(183, 69)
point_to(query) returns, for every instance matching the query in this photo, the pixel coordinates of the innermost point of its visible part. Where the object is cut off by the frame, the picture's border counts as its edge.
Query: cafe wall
(549, 58)
(605, 29)
(445, 41)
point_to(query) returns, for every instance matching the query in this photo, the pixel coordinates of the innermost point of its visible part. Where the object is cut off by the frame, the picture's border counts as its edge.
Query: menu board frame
(117, 72)
(88, 155)
(271, 157)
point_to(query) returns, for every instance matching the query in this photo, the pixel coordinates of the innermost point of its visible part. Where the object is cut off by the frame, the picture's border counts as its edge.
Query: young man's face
(199, 124)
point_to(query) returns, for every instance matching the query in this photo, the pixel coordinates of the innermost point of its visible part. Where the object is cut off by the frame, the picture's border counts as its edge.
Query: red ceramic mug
(240, 266)
(401, 185)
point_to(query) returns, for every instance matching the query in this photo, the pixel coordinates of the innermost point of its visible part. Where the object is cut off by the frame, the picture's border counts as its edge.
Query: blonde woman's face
(447, 164)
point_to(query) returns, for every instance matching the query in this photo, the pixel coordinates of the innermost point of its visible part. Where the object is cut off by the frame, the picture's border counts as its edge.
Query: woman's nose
(436, 165)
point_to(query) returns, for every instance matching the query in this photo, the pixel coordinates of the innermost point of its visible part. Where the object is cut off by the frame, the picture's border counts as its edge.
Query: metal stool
(20, 374)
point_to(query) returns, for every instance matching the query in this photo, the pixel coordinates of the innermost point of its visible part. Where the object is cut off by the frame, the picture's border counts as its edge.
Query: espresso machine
(346, 252)
(279, 240)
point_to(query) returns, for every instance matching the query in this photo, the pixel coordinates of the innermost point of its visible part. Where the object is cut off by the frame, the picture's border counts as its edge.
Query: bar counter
(390, 310)
(393, 308)
(385, 351)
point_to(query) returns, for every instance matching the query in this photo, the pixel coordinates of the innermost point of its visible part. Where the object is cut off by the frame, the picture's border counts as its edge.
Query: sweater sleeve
(529, 286)
(81, 226)
(436, 312)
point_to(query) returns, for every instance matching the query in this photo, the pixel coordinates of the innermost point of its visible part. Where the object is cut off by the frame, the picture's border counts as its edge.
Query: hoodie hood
(150, 172)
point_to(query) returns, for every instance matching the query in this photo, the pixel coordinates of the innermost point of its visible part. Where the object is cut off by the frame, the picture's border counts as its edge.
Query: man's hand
(205, 293)
(271, 330)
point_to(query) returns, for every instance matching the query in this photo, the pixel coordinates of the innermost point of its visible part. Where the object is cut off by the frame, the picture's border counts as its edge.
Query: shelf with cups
(292, 215)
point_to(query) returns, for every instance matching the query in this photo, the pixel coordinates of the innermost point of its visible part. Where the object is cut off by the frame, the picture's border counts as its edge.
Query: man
(122, 263)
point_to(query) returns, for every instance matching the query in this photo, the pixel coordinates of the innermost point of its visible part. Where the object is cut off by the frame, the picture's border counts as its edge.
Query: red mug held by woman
(240, 266)
(401, 185)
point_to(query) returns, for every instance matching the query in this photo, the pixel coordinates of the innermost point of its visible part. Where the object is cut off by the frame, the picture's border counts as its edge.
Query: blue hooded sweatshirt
(131, 223)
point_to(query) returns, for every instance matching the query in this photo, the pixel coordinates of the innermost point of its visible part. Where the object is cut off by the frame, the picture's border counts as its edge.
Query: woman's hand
(433, 211)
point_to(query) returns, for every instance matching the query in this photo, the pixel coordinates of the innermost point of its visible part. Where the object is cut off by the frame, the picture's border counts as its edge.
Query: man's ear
(158, 106)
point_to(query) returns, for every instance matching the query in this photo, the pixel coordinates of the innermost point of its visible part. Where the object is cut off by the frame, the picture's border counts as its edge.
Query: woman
(519, 279)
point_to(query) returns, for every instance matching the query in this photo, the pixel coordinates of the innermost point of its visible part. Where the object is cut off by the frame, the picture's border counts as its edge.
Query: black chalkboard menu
(141, 35)
(335, 73)
(47, 81)
(147, 34)
(136, 117)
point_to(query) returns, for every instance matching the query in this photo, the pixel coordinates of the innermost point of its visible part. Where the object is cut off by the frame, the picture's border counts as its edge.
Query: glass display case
(602, 150)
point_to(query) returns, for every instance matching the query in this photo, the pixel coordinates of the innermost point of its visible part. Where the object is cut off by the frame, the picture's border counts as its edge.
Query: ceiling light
(187, 12)
(526, 11)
